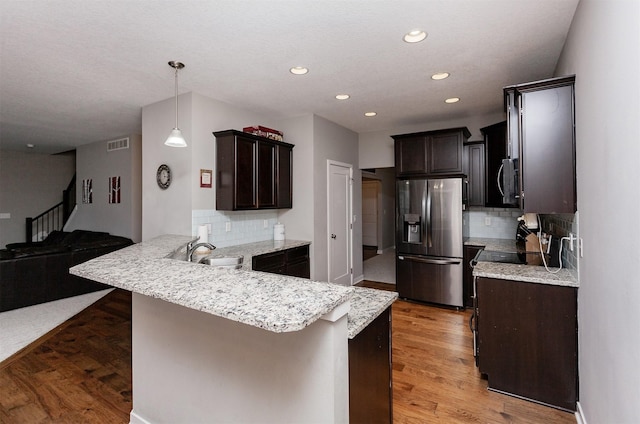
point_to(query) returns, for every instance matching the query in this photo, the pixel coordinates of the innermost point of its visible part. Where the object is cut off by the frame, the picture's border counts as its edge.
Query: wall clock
(163, 176)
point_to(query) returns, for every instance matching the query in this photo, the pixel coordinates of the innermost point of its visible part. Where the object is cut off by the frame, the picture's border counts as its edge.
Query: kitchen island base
(191, 366)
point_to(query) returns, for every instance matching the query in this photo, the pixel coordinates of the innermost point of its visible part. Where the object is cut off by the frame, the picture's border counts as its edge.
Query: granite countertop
(526, 273)
(366, 305)
(272, 302)
(498, 245)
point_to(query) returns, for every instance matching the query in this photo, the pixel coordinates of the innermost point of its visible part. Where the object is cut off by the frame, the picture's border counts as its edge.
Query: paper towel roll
(203, 233)
(278, 232)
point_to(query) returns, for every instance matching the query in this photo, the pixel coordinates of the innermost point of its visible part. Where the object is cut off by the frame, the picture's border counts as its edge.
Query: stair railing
(53, 218)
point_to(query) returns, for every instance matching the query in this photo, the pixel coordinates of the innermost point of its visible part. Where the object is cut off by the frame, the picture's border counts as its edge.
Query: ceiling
(75, 71)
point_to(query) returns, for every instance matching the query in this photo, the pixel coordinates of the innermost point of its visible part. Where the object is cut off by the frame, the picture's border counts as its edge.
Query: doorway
(339, 222)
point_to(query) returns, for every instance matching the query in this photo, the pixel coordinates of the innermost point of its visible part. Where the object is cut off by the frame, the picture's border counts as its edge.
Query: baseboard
(357, 279)
(386, 249)
(137, 419)
(580, 419)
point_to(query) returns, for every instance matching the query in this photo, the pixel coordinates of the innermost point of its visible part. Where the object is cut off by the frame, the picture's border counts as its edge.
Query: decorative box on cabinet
(541, 134)
(431, 152)
(253, 172)
(294, 262)
(528, 340)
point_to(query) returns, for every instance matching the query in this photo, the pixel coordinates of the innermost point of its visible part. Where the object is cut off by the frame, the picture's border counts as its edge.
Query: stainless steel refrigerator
(429, 265)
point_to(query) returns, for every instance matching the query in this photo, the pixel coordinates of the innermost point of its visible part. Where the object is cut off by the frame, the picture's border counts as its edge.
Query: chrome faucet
(191, 248)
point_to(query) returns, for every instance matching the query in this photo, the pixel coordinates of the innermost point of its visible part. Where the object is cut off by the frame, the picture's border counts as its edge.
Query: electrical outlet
(227, 226)
(487, 220)
(265, 223)
(209, 228)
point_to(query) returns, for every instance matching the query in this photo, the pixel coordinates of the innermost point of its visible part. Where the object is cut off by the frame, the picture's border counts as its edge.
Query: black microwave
(508, 183)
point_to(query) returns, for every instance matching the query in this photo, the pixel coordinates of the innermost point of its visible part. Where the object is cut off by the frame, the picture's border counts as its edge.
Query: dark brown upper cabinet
(431, 152)
(252, 172)
(541, 123)
(474, 169)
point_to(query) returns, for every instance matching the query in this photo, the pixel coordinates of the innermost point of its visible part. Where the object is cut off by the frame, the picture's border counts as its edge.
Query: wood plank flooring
(81, 371)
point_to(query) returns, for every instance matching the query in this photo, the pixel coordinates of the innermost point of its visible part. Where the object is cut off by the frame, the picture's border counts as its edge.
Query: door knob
(333, 236)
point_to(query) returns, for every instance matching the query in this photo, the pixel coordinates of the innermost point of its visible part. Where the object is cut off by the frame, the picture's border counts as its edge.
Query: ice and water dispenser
(412, 228)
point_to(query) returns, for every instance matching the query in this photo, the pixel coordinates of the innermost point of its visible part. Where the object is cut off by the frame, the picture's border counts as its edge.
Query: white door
(339, 222)
(370, 213)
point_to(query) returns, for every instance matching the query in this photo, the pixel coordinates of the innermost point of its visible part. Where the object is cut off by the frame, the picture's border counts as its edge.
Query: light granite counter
(498, 245)
(366, 305)
(526, 273)
(507, 271)
(269, 301)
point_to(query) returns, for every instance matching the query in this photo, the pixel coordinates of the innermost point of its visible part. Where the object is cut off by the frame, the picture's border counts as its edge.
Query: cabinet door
(475, 171)
(548, 157)
(411, 155)
(444, 153)
(284, 177)
(245, 174)
(266, 182)
(528, 340)
(370, 395)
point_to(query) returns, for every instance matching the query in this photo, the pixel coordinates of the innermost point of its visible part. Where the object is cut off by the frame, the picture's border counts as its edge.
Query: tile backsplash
(492, 222)
(244, 226)
(560, 225)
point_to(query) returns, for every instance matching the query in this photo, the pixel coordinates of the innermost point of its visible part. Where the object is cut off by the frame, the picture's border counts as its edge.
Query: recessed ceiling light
(342, 96)
(440, 76)
(452, 100)
(370, 114)
(414, 36)
(31, 146)
(299, 70)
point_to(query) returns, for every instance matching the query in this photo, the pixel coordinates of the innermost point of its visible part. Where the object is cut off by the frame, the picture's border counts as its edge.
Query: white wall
(30, 184)
(376, 148)
(95, 163)
(333, 142)
(603, 51)
(171, 211)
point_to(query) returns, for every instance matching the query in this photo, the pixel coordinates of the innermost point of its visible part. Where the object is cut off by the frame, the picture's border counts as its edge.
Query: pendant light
(175, 138)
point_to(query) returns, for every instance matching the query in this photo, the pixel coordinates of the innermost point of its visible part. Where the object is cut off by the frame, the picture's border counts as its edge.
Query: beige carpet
(381, 268)
(20, 327)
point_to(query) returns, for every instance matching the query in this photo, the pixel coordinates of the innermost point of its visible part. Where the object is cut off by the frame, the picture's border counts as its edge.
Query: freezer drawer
(430, 279)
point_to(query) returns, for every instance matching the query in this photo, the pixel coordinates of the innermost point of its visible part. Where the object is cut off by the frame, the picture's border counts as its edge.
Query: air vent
(122, 143)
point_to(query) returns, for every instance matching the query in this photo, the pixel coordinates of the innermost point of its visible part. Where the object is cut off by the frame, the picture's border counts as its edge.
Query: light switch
(5, 215)
(227, 226)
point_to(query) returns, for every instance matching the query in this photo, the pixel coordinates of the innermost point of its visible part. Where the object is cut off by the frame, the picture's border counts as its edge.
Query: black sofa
(38, 272)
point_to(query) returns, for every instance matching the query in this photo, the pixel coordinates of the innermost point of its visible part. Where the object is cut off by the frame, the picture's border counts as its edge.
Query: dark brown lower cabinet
(293, 262)
(528, 340)
(370, 395)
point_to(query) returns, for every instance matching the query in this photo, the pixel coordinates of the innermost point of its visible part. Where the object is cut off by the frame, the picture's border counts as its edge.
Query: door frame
(350, 215)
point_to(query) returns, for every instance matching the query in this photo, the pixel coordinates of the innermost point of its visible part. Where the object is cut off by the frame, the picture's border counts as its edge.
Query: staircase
(53, 218)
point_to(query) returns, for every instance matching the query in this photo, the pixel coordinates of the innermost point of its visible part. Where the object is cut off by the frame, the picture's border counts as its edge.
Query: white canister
(278, 232)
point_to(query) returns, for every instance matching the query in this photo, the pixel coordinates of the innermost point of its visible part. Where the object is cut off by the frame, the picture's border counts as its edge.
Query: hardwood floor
(81, 371)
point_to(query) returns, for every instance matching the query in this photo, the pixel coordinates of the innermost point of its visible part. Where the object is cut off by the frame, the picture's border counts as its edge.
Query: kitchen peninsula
(223, 345)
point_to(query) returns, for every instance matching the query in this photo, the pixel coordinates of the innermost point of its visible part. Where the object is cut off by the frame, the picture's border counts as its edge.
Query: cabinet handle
(498, 180)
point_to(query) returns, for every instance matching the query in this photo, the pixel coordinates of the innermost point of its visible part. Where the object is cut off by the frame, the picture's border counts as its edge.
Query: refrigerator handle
(431, 260)
(427, 214)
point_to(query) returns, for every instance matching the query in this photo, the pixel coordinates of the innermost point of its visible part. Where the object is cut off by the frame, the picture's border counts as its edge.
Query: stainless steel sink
(223, 261)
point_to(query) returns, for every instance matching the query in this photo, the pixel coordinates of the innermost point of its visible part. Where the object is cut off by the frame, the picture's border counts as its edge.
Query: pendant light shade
(175, 138)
